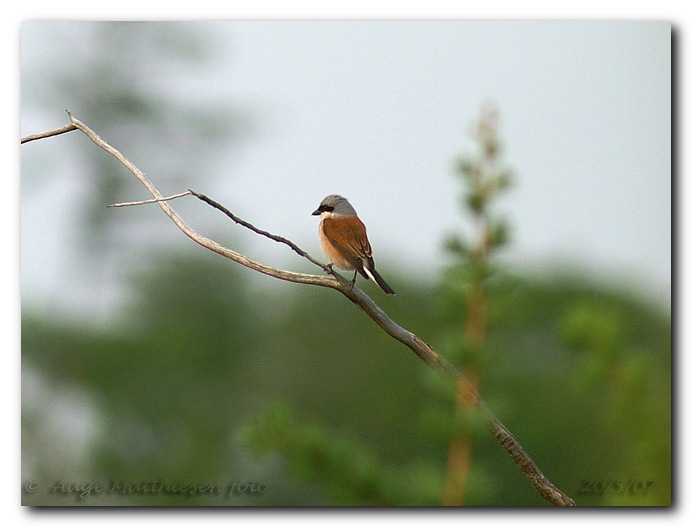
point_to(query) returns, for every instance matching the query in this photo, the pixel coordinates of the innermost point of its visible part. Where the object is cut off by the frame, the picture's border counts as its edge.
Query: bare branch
(51, 133)
(147, 201)
(424, 351)
(279, 239)
(289, 276)
(541, 484)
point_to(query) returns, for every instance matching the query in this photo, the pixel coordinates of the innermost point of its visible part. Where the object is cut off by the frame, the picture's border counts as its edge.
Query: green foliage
(593, 327)
(628, 379)
(361, 408)
(343, 468)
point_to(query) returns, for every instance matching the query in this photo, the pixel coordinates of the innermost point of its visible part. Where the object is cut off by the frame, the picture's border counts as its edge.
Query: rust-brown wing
(349, 236)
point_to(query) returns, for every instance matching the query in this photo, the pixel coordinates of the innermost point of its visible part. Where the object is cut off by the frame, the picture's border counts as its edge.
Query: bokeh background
(144, 358)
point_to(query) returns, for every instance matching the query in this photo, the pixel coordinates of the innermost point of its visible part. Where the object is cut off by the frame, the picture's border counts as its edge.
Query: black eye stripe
(326, 208)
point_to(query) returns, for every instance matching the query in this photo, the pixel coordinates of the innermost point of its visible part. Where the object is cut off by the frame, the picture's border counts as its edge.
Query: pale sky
(380, 111)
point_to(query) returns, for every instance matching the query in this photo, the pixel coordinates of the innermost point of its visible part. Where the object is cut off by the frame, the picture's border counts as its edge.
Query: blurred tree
(202, 366)
(620, 367)
(127, 80)
(134, 82)
(169, 383)
(483, 179)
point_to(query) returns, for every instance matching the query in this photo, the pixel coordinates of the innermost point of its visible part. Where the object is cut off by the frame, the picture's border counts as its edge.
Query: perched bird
(344, 239)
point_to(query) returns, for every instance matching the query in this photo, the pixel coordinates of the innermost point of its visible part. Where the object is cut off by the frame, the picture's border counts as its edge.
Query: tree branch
(279, 239)
(155, 200)
(424, 351)
(51, 133)
(188, 231)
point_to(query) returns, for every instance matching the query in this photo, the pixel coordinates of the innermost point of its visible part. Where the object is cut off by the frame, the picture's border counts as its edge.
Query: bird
(344, 240)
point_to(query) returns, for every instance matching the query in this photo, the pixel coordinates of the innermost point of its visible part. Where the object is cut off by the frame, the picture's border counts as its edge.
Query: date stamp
(631, 487)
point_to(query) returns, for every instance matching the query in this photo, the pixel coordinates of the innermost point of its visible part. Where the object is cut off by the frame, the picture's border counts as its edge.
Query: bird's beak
(317, 212)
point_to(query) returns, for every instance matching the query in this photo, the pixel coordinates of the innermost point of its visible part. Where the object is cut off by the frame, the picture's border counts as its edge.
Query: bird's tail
(372, 273)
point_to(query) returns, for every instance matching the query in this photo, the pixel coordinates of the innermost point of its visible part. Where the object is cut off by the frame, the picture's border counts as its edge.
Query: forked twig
(155, 200)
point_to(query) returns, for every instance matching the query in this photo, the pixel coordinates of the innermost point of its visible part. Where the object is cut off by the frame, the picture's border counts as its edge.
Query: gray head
(337, 205)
